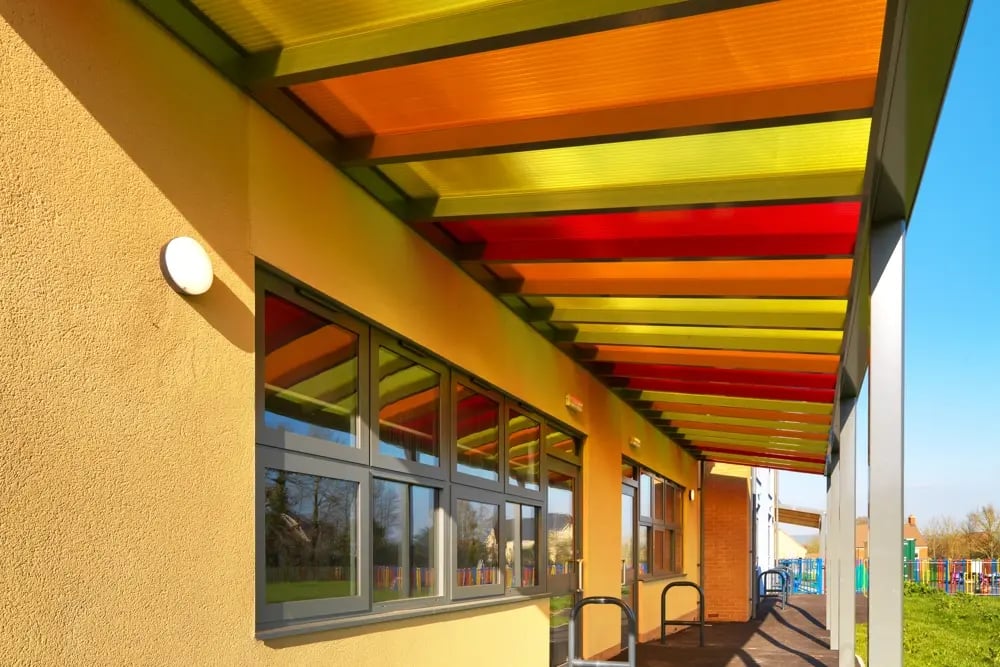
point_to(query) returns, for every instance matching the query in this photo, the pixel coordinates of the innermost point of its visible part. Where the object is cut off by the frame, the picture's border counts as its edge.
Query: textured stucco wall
(127, 410)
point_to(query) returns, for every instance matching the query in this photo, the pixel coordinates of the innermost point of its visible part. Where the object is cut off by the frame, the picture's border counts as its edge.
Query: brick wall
(727, 547)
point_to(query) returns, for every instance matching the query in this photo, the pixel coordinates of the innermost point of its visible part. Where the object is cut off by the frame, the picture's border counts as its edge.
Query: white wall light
(186, 266)
(690, 494)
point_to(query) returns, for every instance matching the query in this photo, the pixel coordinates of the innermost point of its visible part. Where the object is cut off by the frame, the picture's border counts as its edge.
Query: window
(477, 545)
(521, 554)
(477, 435)
(659, 543)
(404, 545)
(523, 451)
(386, 480)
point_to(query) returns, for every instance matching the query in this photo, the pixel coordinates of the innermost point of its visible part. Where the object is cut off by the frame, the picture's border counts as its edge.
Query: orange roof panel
(769, 60)
(778, 278)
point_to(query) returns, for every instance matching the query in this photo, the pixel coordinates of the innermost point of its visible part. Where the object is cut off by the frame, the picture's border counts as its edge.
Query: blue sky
(952, 302)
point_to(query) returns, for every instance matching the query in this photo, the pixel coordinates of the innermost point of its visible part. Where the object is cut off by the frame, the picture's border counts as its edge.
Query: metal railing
(765, 587)
(969, 576)
(701, 611)
(574, 661)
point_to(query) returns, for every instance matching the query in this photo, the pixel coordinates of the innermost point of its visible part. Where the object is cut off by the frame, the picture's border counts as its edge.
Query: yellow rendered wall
(127, 415)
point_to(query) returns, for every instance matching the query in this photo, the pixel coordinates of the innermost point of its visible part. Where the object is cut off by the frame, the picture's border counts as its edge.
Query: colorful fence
(807, 574)
(969, 576)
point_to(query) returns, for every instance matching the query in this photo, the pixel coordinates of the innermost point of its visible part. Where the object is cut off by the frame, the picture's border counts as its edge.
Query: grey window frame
(440, 471)
(576, 458)
(520, 491)
(442, 562)
(501, 401)
(461, 492)
(642, 521)
(294, 441)
(284, 612)
(541, 515)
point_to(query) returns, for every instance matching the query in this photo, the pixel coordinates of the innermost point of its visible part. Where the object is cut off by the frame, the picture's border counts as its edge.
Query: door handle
(579, 575)
(623, 571)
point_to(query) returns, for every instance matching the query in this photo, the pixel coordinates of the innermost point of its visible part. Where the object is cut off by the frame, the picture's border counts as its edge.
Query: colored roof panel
(702, 374)
(770, 313)
(765, 278)
(731, 389)
(780, 361)
(364, 30)
(745, 231)
(724, 423)
(692, 426)
(672, 410)
(815, 160)
(726, 338)
(780, 59)
(727, 401)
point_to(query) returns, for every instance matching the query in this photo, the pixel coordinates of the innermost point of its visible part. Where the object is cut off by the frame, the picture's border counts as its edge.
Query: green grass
(290, 591)
(559, 608)
(946, 630)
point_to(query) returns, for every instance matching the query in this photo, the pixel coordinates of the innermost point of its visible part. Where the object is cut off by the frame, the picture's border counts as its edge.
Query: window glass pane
(409, 409)
(529, 546)
(387, 540)
(659, 498)
(511, 578)
(523, 435)
(644, 544)
(670, 497)
(311, 537)
(310, 374)
(560, 524)
(661, 551)
(678, 550)
(645, 495)
(628, 470)
(478, 525)
(423, 532)
(478, 433)
(560, 442)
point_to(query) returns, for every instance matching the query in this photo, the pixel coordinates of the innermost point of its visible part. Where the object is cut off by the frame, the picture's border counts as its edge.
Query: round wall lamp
(186, 266)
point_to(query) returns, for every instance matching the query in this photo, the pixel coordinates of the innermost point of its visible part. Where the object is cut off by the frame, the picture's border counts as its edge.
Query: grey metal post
(845, 541)
(885, 447)
(832, 571)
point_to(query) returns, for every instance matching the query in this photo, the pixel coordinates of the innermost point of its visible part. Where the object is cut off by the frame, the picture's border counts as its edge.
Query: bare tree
(945, 538)
(982, 527)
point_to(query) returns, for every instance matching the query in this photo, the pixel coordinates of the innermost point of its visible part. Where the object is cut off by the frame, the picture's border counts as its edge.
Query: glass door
(627, 574)
(564, 562)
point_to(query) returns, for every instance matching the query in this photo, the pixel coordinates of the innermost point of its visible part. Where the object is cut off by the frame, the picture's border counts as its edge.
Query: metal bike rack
(632, 629)
(701, 611)
(782, 592)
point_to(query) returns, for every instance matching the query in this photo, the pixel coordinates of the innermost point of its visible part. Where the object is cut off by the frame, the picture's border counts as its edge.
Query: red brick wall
(727, 548)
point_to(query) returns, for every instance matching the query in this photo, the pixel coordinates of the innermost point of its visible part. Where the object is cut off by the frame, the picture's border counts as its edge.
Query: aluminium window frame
(541, 542)
(441, 559)
(674, 528)
(467, 479)
(469, 494)
(280, 613)
(360, 454)
(379, 339)
(518, 490)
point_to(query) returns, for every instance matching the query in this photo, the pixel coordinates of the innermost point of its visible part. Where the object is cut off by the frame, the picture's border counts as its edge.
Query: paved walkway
(781, 638)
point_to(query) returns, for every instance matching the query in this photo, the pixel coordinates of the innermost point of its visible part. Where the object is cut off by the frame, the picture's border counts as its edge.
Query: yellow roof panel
(788, 162)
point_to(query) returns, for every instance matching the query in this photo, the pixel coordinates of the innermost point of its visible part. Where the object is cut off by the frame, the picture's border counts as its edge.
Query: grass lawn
(287, 591)
(946, 630)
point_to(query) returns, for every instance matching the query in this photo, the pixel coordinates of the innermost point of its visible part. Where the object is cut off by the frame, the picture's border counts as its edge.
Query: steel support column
(844, 550)
(885, 447)
(832, 527)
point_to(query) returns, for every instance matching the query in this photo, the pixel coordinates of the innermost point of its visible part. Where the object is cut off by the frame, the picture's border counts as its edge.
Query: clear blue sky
(952, 302)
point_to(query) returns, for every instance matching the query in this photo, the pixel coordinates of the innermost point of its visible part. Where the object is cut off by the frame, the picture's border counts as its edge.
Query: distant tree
(945, 538)
(982, 528)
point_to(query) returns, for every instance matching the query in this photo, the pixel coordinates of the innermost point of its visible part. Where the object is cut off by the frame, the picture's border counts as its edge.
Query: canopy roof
(678, 193)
